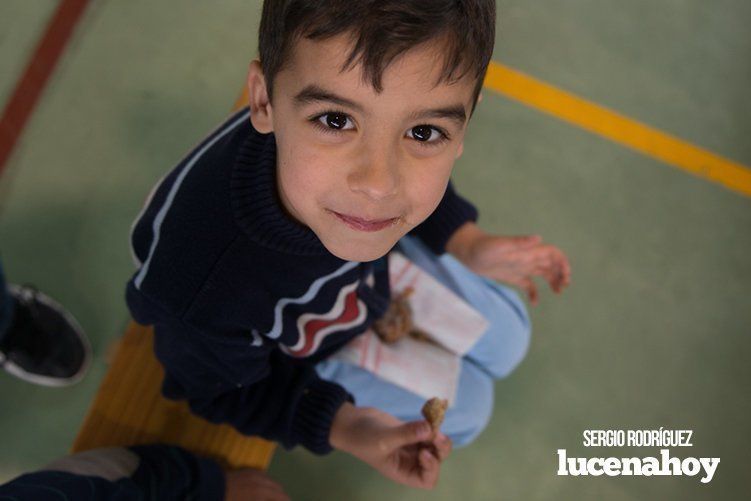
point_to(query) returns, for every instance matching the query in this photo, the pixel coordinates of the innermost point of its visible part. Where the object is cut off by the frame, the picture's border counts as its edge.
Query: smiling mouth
(364, 224)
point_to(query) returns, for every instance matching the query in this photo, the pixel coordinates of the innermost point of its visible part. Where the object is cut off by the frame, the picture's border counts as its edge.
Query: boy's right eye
(334, 121)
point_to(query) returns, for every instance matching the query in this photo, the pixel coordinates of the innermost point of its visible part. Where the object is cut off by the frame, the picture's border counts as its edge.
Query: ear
(479, 98)
(261, 113)
(460, 150)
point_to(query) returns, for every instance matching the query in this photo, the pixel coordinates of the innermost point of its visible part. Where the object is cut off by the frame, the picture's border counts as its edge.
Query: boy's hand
(513, 260)
(403, 452)
(249, 485)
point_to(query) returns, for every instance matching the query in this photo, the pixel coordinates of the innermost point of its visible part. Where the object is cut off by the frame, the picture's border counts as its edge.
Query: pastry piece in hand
(433, 411)
(397, 322)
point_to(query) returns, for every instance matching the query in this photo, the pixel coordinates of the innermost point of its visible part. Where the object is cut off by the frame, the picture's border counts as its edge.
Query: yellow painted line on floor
(618, 128)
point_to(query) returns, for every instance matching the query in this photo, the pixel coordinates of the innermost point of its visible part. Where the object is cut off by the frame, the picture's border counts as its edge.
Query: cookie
(397, 321)
(434, 411)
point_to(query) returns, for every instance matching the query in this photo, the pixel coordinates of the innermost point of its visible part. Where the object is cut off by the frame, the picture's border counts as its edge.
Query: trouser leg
(500, 349)
(505, 342)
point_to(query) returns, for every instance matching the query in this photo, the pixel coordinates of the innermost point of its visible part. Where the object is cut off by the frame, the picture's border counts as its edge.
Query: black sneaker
(44, 344)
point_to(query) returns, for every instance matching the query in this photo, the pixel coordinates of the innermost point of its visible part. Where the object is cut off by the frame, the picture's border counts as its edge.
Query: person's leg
(496, 354)
(504, 345)
(154, 471)
(464, 420)
(7, 305)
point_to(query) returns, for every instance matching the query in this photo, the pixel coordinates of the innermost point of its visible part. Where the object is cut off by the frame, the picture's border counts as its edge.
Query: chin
(361, 253)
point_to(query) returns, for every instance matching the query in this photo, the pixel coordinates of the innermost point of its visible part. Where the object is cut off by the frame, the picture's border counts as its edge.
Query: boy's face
(348, 156)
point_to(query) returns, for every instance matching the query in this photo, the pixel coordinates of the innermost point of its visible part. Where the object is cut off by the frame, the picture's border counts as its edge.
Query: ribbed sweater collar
(255, 199)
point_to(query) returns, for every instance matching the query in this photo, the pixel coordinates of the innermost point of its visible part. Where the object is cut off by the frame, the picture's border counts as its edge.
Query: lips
(365, 224)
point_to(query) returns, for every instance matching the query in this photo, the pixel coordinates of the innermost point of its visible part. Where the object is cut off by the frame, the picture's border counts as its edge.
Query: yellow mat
(129, 409)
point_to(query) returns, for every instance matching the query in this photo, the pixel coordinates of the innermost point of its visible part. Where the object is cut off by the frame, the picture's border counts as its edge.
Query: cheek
(427, 187)
(303, 171)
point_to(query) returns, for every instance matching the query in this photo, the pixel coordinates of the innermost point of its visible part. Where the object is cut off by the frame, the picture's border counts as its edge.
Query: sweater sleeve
(168, 472)
(248, 383)
(452, 212)
(159, 472)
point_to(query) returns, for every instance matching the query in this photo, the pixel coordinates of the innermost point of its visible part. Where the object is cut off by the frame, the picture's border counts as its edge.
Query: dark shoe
(44, 344)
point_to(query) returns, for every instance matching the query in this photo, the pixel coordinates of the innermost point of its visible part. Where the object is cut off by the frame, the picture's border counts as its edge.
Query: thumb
(408, 433)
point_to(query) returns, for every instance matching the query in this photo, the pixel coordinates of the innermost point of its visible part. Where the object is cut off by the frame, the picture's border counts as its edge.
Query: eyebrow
(454, 113)
(313, 93)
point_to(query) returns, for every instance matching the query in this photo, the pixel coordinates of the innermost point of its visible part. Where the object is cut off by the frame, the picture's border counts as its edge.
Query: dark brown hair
(381, 30)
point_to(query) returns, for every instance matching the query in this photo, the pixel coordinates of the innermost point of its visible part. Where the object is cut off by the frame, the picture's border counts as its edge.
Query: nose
(376, 173)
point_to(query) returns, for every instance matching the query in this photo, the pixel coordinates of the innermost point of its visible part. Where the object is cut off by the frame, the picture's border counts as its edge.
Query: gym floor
(654, 330)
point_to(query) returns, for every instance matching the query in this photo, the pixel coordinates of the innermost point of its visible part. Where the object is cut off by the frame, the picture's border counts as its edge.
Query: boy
(264, 251)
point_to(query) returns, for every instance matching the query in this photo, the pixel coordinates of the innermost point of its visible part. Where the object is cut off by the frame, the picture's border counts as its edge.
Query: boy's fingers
(555, 271)
(443, 445)
(430, 468)
(564, 270)
(528, 240)
(408, 433)
(548, 272)
(557, 281)
(526, 285)
(517, 243)
(531, 289)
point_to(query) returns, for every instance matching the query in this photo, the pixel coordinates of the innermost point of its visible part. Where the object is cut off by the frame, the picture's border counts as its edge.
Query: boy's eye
(427, 134)
(336, 121)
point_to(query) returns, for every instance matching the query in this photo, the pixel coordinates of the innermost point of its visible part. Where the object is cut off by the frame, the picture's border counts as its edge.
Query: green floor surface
(653, 331)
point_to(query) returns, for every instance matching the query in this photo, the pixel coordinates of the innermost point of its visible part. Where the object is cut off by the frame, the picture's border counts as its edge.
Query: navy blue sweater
(245, 300)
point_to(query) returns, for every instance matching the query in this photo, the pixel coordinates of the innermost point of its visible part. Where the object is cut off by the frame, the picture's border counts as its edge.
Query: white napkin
(426, 369)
